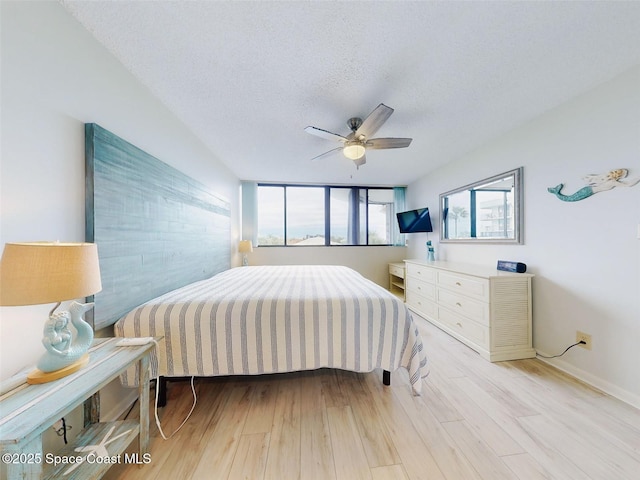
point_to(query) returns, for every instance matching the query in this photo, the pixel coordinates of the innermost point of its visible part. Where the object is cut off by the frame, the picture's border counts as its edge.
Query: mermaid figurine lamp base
(38, 376)
(64, 354)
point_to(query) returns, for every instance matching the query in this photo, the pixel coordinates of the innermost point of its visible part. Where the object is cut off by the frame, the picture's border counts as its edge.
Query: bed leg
(162, 392)
(386, 377)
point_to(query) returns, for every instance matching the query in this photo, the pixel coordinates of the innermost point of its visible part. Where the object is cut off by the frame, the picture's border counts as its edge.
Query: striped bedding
(267, 319)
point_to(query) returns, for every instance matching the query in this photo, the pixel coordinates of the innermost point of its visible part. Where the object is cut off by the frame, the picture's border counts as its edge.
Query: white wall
(585, 255)
(56, 77)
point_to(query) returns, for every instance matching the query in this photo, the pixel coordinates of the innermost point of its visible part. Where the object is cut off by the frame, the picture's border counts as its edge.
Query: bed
(269, 319)
(164, 242)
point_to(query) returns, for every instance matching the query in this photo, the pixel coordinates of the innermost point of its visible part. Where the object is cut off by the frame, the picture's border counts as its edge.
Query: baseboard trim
(596, 382)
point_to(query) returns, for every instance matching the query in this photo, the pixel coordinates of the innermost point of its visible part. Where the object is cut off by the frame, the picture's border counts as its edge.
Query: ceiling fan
(355, 144)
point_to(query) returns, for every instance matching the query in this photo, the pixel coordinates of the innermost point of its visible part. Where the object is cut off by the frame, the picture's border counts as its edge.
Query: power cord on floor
(581, 342)
(195, 399)
(130, 409)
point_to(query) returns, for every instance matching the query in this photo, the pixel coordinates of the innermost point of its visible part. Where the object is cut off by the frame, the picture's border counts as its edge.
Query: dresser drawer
(396, 270)
(463, 305)
(472, 331)
(422, 288)
(421, 304)
(421, 272)
(466, 285)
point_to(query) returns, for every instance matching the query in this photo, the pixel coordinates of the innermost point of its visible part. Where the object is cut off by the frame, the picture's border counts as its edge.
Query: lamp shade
(245, 246)
(48, 272)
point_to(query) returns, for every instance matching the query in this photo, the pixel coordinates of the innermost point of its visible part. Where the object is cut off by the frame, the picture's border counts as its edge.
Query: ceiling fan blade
(380, 143)
(327, 154)
(325, 134)
(374, 121)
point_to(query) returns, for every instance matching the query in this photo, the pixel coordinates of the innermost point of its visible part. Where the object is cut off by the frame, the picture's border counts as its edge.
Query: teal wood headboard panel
(156, 228)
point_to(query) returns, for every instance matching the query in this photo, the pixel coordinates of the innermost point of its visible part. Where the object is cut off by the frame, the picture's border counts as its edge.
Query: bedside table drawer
(396, 270)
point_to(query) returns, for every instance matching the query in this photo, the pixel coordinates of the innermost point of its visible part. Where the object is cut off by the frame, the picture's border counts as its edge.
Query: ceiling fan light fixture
(353, 150)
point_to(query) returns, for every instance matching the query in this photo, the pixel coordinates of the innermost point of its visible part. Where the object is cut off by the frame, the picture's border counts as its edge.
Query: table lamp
(51, 272)
(244, 248)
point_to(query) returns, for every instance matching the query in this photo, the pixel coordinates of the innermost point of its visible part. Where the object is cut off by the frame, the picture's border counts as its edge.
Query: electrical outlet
(583, 337)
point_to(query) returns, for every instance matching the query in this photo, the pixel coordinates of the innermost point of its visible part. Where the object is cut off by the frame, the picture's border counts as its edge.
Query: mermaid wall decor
(595, 184)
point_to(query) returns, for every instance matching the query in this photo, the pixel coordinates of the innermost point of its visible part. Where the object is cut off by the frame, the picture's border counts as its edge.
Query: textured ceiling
(248, 77)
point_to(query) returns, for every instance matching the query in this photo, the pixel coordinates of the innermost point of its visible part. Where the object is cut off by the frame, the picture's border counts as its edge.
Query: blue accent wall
(156, 228)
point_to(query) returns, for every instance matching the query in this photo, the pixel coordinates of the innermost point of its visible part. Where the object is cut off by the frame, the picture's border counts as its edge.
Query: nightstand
(29, 410)
(396, 279)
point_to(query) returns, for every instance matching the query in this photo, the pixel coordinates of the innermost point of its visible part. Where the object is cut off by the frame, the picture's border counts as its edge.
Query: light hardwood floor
(475, 420)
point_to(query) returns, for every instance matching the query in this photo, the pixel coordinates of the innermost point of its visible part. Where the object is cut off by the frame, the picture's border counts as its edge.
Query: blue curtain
(399, 194)
(249, 196)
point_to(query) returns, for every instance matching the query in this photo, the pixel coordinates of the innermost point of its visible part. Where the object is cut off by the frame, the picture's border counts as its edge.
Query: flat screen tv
(415, 221)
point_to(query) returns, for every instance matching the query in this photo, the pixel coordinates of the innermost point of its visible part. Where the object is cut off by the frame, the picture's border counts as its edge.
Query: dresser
(486, 309)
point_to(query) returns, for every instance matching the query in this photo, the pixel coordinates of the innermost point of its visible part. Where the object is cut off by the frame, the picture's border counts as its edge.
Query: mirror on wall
(487, 211)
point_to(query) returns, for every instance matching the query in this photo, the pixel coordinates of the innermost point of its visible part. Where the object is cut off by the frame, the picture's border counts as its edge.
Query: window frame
(355, 189)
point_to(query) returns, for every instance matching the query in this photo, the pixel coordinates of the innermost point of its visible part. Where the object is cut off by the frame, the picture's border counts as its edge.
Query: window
(381, 216)
(271, 216)
(304, 210)
(340, 227)
(299, 215)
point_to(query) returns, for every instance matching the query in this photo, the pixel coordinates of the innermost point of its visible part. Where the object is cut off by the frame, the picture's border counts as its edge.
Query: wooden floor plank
(521, 420)
(446, 454)
(417, 459)
(377, 443)
(220, 443)
(484, 425)
(250, 458)
(283, 460)
(483, 458)
(316, 452)
(331, 392)
(439, 405)
(590, 455)
(348, 453)
(261, 410)
(389, 472)
(525, 467)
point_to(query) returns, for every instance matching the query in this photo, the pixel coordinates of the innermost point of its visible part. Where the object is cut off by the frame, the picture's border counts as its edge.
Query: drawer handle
(459, 304)
(458, 284)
